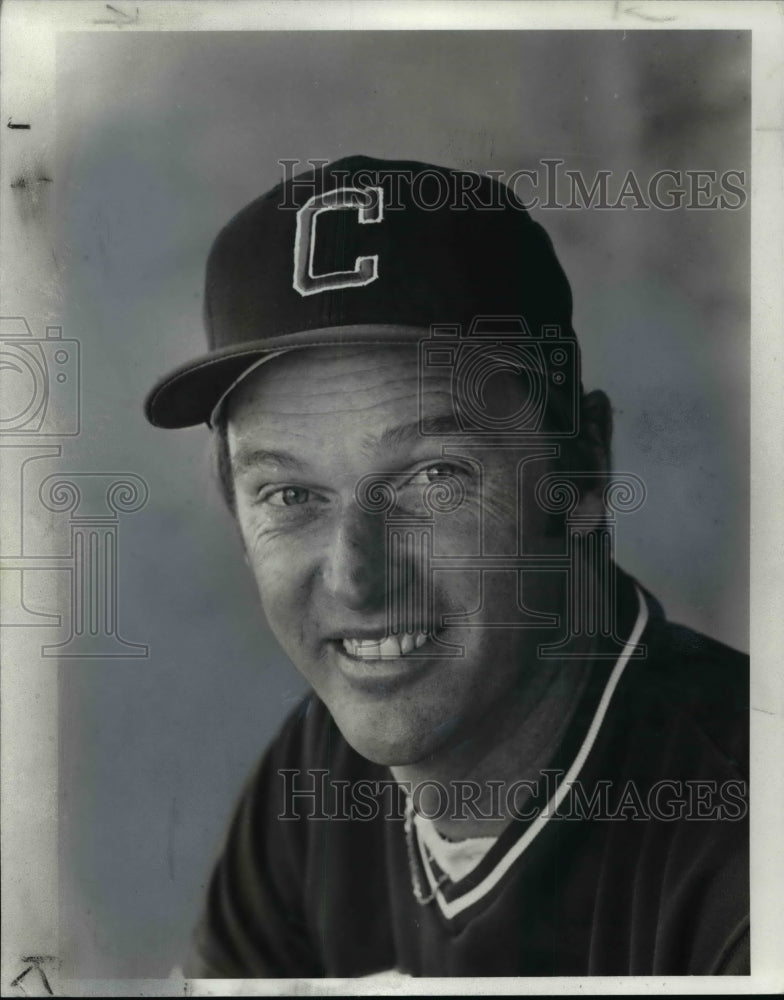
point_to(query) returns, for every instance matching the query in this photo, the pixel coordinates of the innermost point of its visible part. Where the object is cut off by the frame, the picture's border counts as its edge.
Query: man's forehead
(312, 406)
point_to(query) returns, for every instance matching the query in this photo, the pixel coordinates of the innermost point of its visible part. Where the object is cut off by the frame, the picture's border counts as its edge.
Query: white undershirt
(454, 857)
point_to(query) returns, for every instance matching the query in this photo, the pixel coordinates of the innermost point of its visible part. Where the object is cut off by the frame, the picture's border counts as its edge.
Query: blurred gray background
(161, 138)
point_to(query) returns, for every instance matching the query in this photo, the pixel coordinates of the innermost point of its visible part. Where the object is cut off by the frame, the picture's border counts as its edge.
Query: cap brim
(188, 395)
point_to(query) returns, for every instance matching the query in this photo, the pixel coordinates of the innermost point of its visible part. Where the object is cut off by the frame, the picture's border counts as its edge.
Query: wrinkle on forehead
(352, 381)
(327, 381)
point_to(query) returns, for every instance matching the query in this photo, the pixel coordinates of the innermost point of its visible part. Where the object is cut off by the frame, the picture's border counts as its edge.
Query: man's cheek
(277, 591)
(278, 596)
(270, 557)
(289, 626)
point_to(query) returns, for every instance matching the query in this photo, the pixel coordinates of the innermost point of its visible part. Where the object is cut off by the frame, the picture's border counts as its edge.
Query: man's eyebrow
(249, 458)
(410, 433)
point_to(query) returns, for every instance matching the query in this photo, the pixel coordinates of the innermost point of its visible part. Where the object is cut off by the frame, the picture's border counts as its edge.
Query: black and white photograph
(391, 436)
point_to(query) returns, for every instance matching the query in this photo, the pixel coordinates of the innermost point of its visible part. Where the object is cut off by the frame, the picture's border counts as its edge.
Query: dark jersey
(630, 859)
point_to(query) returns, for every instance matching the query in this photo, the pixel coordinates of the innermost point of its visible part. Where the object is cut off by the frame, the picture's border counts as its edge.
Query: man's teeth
(390, 647)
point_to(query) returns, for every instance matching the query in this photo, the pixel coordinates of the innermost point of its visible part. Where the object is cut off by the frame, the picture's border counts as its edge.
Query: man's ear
(596, 427)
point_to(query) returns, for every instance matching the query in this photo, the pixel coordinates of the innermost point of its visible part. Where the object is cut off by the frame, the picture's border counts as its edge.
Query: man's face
(303, 431)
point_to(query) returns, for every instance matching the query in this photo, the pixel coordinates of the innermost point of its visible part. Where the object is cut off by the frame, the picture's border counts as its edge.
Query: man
(511, 763)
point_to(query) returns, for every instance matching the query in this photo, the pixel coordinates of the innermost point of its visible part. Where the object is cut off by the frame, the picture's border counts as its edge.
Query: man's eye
(436, 471)
(289, 496)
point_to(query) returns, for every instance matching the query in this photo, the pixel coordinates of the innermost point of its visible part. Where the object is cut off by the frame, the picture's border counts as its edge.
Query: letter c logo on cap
(369, 203)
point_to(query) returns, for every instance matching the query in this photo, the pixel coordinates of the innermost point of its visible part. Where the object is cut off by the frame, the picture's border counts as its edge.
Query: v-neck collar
(456, 898)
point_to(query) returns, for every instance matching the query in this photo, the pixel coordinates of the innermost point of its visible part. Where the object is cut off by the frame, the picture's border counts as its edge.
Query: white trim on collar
(451, 908)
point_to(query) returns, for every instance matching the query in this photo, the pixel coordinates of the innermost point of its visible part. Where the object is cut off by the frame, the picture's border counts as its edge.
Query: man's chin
(388, 749)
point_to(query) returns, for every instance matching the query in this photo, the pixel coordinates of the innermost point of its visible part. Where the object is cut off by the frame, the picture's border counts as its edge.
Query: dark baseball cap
(363, 251)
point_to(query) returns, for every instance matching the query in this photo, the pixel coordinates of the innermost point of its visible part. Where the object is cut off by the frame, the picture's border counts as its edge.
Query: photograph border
(30, 876)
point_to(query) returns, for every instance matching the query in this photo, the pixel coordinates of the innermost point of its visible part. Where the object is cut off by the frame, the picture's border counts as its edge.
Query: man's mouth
(389, 647)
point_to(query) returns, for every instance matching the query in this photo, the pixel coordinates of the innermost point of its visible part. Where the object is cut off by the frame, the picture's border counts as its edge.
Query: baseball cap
(362, 251)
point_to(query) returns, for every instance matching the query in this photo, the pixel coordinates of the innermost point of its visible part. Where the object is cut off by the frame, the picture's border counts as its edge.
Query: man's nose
(354, 568)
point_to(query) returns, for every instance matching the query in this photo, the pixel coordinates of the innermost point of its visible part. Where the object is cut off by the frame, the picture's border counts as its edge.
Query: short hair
(222, 462)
